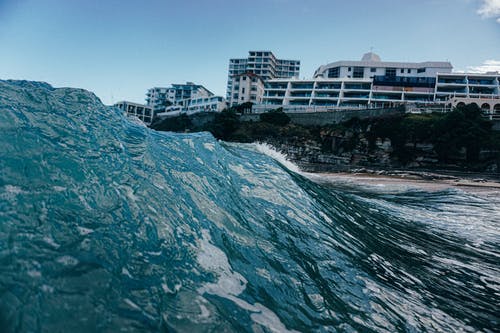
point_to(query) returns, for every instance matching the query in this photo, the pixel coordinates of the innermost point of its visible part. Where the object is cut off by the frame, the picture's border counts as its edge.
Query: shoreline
(435, 180)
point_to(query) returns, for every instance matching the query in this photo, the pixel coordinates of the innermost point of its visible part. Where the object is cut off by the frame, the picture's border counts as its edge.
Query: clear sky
(118, 49)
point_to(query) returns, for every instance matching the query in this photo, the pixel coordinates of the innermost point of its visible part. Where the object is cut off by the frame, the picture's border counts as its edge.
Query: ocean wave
(106, 225)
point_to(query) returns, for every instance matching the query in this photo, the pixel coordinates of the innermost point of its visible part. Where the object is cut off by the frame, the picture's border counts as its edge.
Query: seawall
(330, 117)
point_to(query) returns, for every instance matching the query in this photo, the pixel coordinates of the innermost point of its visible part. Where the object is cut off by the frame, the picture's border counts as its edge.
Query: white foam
(281, 158)
(49, 240)
(13, 189)
(209, 146)
(59, 188)
(230, 284)
(84, 231)
(67, 260)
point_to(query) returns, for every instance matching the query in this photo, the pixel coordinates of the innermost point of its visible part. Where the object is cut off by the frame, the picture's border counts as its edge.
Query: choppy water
(108, 226)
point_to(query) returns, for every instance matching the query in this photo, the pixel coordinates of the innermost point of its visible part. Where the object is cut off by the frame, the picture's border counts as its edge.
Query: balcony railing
(404, 81)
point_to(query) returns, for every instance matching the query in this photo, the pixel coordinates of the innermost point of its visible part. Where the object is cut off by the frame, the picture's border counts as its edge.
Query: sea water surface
(107, 226)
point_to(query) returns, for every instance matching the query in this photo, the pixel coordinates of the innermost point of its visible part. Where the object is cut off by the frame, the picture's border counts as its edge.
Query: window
(242, 90)
(409, 71)
(402, 70)
(349, 69)
(358, 72)
(373, 69)
(421, 70)
(334, 72)
(390, 71)
(244, 78)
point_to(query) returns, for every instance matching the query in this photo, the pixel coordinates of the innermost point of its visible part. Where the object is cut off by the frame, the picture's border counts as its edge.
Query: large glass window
(390, 71)
(358, 72)
(334, 72)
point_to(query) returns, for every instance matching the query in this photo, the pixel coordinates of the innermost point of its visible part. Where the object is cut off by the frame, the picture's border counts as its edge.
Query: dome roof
(370, 56)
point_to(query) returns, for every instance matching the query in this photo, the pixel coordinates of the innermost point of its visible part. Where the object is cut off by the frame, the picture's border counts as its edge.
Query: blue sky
(119, 49)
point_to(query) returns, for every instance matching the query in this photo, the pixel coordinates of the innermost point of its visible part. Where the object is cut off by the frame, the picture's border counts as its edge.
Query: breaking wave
(106, 225)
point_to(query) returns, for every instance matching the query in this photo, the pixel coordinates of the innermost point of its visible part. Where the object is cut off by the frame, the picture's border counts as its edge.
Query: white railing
(261, 108)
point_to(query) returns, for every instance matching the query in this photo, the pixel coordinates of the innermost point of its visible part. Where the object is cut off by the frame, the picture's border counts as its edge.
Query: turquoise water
(108, 226)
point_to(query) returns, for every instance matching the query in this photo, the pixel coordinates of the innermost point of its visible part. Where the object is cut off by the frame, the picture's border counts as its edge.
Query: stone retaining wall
(333, 117)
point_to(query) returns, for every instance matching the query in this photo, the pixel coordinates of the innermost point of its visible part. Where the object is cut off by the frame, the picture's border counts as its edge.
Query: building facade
(262, 63)
(371, 82)
(141, 111)
(246, 87)
(161, 97)
(205, 104)
(371, 65)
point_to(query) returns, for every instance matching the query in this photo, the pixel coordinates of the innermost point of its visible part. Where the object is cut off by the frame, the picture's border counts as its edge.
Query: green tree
(174, 124)
(462, 128)
(275, 117)
(224, 124)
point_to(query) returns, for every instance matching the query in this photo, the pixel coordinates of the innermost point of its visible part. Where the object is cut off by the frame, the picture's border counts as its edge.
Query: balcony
(304, 86)
(326, 95)
(404, 81)
(444, 80)
(480, 81)
(357, 86)
(386, 97)
(297, 94)
(273, 86)
(275, 94)
(328, 86)
(481, 90)
(356, 95)
(331, 102)
(299, 102)
(451, 90)
(421, 98)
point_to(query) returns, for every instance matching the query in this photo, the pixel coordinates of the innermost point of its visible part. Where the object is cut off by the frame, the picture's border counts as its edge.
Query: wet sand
(440, 182)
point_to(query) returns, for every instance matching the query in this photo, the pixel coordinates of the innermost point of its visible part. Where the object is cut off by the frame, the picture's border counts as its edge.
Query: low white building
(205, 104)
(195, 105)
(161, 97)
(141, 111)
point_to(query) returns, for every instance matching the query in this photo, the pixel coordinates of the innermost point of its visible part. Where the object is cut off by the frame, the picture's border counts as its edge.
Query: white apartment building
(371, 65)
(371, 82)
(205, 104)
(262, 63)
(141, 111)
(161, 97)
(195, 105)
(246, 87)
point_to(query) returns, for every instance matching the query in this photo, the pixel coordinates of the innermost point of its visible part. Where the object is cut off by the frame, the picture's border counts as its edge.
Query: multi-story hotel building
(159, 97)
(262, 63)
(372, 82)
